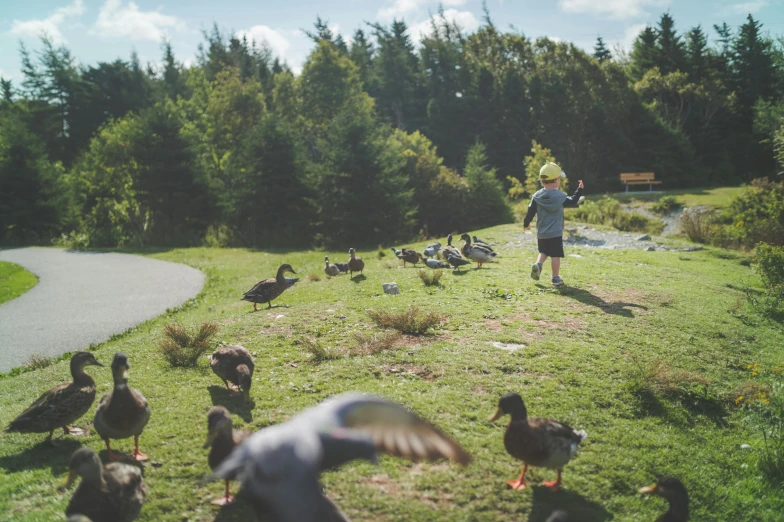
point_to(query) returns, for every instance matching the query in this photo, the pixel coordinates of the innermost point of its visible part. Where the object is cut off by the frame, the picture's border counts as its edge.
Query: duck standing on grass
(537, 442)
(62, 405)
(449, 250)
(267, 290)
(435, 263)
(432, 249)
(222, 439)
(457, 262)
(123, 412)
(408, 256)
(234, 364)
(111, 493)
(330, 270)
(480, 254)
(672, 490)
(355, 264)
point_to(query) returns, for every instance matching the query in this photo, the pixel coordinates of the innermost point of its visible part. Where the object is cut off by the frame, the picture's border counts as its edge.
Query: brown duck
(111, 493)
(234, 364)
(408, 256)
(450, 250)
(674, 492)
(62, 405)
(537, 442)
(269, 289)
(123, 412)
(222, 439)
(355, 264)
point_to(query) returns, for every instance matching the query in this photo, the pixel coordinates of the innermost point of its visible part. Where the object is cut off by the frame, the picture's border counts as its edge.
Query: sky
(104, 30)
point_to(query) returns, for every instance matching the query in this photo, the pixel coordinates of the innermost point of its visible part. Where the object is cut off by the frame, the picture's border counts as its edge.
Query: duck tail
(581, 434)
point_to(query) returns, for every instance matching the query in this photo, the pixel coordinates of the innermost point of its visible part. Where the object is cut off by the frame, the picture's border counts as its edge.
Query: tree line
(377, 139)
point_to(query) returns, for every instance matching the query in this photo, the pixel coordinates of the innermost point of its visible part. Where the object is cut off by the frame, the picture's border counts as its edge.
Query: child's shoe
(536, 269)
(557, 281)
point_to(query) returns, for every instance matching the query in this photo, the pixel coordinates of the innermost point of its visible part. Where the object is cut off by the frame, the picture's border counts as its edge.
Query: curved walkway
(84, 298)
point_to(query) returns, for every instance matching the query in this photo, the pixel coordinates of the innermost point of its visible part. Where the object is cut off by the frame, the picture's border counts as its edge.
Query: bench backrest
(637, 176)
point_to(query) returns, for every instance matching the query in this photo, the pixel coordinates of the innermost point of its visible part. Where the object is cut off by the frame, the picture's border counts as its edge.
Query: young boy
(547, 205)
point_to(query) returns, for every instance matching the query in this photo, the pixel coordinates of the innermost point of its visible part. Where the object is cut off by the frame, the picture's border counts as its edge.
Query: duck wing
(262, 288)
(61, 405)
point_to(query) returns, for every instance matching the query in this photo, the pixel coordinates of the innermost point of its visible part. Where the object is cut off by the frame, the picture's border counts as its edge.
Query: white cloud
(275, 39)
(612, 8)
(749, 7)
(454, 3)
(49, 25)
(630, 35)
(116, 20)
(400, 8)
(464, 19)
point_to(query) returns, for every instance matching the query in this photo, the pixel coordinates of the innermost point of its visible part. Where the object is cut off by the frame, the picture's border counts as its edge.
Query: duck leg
(519, 484)
(269, 305)
(113, 456)
(226, 499)
(255, 308)
(49, 439)
(138, 455)
(555, 484)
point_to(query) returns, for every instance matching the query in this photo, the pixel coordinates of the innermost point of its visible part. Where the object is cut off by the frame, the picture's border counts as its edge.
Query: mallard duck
(672, 490)
(355, 264)
(123, 412)
(477, 241)
(408, 256)
(234, 364)
(450, 250)
(330, 270)
(457, 262)
(476, 253)
(280, 465)
(62, 405)
(222, 439)
(111, 493)
(269, 289)
(432, 249)
(435, 263)
(537, 442)
(343, 267)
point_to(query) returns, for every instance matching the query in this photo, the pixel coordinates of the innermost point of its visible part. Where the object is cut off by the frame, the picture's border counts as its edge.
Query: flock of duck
(279, 466)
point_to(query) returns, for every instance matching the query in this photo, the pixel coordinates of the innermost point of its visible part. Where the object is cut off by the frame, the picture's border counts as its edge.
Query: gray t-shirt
(548, 205)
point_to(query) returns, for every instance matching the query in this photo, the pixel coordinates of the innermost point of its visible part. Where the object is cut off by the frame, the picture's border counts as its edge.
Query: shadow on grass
(220, 397)
(238, 510)
(577, 507)
(460, 272)
(358, 278)
(616, 308)
(680, 410)
(43, 455)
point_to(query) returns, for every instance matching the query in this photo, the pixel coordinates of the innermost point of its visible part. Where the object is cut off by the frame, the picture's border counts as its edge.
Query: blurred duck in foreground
(673, 491)
(234, 364)
(222, 439)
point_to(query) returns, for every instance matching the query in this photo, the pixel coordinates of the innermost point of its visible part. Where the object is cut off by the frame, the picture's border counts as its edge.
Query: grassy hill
(14, 281)
(643, 350)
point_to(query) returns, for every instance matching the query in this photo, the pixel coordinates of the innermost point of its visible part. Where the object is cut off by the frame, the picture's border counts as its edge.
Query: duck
(408, 256)
(330, 270)
(432, 249)
(480, 242)
(537, 442)
(123, 412)
(234, 364)
(477, 253)
(280, 465)
(672, 490)
(267, 290)
(343, 267)
(62, 405)
(450, 250)
(457, 262)
(222, 439)
(111, 493)
(355, 264)
(435, 263)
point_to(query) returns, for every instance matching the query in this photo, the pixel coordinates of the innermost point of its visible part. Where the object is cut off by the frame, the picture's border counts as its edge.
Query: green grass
(587, 351)
(710, 197)
(14, 281)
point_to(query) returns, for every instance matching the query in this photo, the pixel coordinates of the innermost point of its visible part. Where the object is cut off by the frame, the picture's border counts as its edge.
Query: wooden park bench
(639, 178)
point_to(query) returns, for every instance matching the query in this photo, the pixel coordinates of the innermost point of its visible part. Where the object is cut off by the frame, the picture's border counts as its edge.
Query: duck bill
(96, 363)
(497, 415)
(648, 490)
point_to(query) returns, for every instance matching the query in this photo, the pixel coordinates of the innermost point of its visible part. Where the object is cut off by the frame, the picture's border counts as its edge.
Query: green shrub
(756, 216)
(769, 260)
(765, 409)
(431, 278)
(665, 204)
(698, 223)
(608, 211)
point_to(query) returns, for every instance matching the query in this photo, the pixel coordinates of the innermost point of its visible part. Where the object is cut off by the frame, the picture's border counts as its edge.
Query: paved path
(83, 298)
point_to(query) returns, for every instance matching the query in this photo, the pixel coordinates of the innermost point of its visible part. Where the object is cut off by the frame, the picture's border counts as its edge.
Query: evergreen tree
(754, 71)
(172, 80)
(487, 204)
(600, 50)
(7, 89)
(362, 54)
(697, 53)
(669, 55)
(643, 55)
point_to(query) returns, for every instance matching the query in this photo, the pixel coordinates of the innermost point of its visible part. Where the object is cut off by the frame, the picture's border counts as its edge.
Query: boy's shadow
(577, 508)
(220, 397)
(616, 308)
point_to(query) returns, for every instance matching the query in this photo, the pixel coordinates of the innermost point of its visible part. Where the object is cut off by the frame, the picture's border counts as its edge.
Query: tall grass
(181, 348)
(412, 322)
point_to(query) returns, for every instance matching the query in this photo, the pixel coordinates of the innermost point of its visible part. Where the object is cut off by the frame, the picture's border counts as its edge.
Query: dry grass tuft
(431, 278)
(181, 348)
(411, 322)
(37, 361)
(369, 344)
(317, 351)
(313, 278)
(747, 392)
(658, 378)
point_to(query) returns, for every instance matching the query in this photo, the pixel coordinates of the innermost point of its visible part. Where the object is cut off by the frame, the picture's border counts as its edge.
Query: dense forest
(376, 139)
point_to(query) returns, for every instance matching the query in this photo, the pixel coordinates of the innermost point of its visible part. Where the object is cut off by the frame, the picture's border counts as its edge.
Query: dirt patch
(567, 322)
(494, 325)
(409, 370)
(389, 486)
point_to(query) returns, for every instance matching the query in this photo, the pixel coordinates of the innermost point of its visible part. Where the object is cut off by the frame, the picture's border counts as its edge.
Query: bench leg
(627, 187)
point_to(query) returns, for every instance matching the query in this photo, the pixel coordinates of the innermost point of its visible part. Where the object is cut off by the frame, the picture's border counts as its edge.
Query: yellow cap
(551, 172)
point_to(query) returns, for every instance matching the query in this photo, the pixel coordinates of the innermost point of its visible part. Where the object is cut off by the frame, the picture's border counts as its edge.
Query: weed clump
(411, 322)
(37, 361)
(431, 278)
(180, 348)
(608, 211)
(316, 350)
(658, 378)
(665, 204)
(365, 344)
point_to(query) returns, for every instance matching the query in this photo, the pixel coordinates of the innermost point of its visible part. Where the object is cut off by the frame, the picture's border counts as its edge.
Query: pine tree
(362, 54)
(643, 55)
(754, 70)
(172, 82)
(487, 203)
(600, 50)
(668, 56)
(697, 53)
(7, 89)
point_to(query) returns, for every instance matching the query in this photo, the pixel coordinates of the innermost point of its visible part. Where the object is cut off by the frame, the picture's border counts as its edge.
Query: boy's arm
(575, 199)
(529, 216)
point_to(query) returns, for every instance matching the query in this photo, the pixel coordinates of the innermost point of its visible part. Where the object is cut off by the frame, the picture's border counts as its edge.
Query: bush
(698, 223)
(372, 344)
(665, 204)
(431, 278)
(608, 211)
(769, 260)
(765, 410)
(757, 215)
(411, 322)
(181, 348)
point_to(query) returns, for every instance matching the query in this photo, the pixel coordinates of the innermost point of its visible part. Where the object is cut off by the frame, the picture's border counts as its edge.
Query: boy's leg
(542, 258)
(536, 268)
(556, 264)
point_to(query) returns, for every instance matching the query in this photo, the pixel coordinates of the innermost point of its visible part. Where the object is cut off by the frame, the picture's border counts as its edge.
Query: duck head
(352, 252)
(466, 238)
(285, 268)
(244, 379)
(120, 369)
(511, 404)
(673, 490)
(82, 359)
(86, 464)
(218, 421)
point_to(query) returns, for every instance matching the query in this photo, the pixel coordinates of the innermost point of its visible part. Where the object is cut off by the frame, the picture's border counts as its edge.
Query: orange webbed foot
(517, 485)
(223, 501)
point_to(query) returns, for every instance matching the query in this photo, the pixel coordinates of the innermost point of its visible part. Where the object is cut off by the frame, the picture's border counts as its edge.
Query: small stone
(745, 446)
(644, 237)
(692, 248)
(650, 249)
(391, 288)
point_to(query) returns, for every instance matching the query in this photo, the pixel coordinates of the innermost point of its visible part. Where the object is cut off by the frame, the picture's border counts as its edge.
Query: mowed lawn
(14, 281)
(578, 353)
(717, 197)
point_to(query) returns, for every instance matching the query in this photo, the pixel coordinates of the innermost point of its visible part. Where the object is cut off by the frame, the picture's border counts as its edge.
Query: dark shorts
(552, 247)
